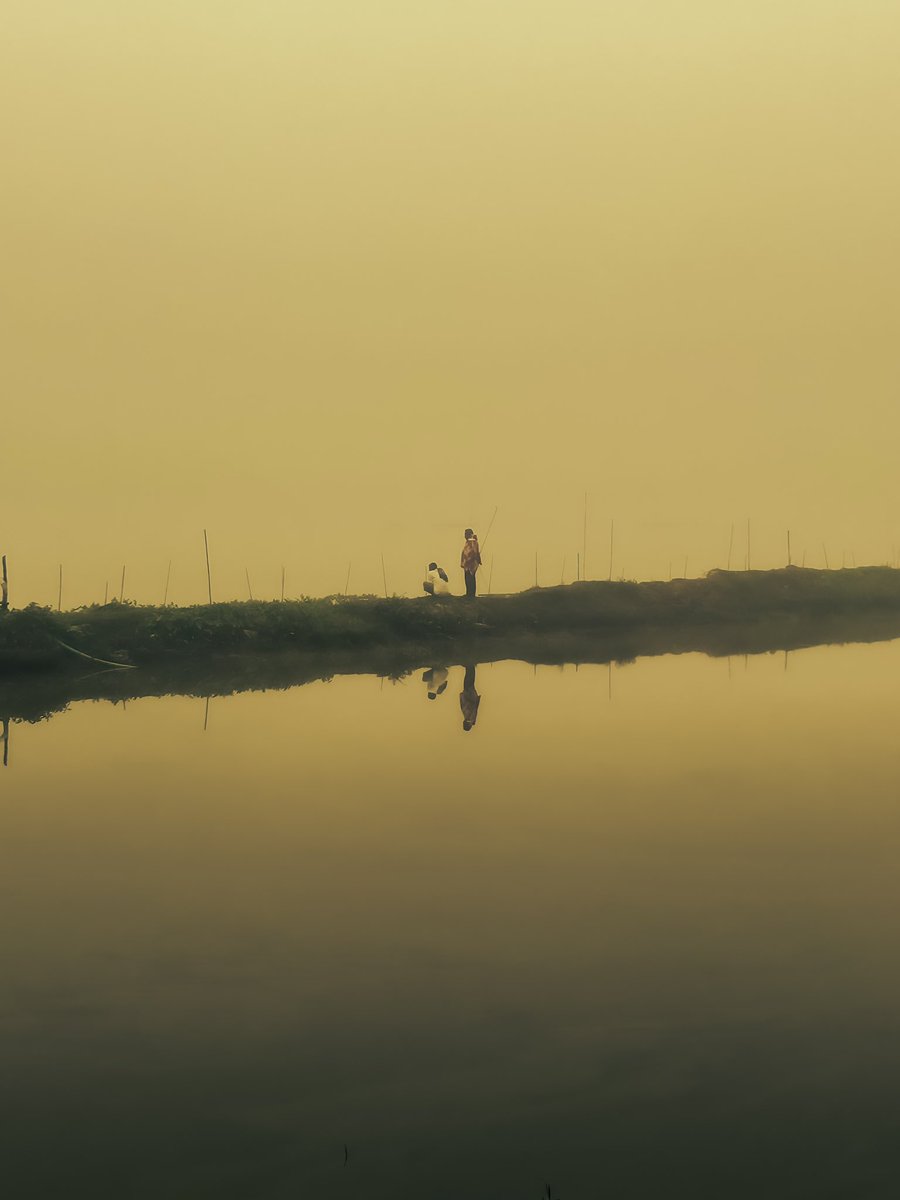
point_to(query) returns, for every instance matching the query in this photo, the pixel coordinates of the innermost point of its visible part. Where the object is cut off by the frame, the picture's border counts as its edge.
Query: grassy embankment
(222, 648)
(758, 601)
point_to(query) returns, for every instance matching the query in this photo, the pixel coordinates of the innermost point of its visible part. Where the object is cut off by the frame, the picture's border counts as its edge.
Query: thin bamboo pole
(384, 576)
(249, 589)
(4, 588)
(825, 554)
(122, 590)
(489, 528)
(347, 581)
(282, 585)
(208, 572)
(166, 592)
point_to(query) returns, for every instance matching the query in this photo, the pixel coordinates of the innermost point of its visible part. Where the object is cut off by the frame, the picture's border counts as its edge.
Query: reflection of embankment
(32, 696)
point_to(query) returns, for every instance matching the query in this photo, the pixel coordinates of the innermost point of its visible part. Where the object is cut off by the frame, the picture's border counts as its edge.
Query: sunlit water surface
(634, 934)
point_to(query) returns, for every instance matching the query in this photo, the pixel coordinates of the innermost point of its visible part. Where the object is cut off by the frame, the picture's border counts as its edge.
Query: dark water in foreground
(633, 935)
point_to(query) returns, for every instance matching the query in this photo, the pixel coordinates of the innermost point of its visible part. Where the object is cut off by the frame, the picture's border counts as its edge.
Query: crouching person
(436, 581)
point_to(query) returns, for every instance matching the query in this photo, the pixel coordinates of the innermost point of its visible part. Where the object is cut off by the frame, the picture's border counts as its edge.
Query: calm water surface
(634, 934)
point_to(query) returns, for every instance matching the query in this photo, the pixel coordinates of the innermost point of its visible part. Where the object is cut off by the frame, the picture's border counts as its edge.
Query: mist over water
(632, 931)
(335, 280)
(319, 286)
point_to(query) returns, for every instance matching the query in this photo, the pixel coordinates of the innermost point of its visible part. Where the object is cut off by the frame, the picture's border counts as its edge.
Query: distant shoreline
(221, 648)
(36, 638)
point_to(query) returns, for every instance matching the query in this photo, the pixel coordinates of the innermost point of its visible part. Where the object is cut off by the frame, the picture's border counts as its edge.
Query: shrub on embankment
(129, 632)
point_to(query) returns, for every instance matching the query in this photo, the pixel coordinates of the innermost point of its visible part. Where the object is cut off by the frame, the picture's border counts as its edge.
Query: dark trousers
(470, 583)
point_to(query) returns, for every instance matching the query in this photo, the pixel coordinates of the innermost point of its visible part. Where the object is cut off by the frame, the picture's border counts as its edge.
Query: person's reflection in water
(435, 679)
(469, 699)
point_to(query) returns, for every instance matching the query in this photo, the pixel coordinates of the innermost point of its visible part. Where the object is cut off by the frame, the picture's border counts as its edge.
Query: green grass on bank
(144, 634)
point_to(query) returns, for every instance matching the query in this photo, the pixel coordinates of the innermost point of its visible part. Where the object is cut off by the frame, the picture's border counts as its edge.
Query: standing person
(470, 561)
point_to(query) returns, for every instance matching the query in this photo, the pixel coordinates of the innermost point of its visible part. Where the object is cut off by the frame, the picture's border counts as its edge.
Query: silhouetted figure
(436, 581)
(469, 699)
(435, 679)
(470, 561)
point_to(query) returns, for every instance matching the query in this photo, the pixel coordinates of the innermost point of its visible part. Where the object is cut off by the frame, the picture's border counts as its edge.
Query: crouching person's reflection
(469, 699)
(435, 679)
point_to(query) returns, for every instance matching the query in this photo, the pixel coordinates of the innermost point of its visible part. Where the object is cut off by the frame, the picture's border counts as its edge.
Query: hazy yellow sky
(334, 279)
